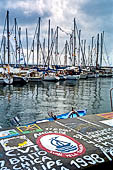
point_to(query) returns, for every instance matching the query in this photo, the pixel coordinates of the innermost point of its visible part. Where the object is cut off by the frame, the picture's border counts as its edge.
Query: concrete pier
(78, 143)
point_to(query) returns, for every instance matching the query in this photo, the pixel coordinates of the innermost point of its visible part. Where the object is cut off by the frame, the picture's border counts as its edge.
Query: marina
(33, 101)
(44, 77)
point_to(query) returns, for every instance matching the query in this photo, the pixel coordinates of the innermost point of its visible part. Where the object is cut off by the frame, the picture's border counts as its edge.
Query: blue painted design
(63, 146)
(8, 134)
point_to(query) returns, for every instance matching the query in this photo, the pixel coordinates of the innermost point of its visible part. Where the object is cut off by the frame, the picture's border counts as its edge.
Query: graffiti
(31, 158)
(93, 159)
(15, 142)
(29, 128)
(8, 133)
(60, 145)
(83, 147)
(99, 133)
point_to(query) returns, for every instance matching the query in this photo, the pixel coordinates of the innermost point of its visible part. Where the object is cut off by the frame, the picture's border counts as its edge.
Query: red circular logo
(60, 145)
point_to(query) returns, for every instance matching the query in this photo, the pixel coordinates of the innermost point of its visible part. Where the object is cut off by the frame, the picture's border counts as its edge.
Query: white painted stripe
(88, 122)
(42, 121)
(71, 129)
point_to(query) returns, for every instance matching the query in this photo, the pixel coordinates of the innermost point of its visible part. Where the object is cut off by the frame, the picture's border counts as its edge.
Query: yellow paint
(22, 144)
(108, 115)
(28, 127)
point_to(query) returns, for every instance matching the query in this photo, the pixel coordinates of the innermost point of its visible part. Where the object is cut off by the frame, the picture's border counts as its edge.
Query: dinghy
(66, 115)
(15, 120)
(62, 116)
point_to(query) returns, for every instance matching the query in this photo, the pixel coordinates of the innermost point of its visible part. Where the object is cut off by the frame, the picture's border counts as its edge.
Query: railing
(111, 99)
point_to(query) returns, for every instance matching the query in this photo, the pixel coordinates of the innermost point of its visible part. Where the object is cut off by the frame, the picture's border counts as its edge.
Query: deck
(78, 143)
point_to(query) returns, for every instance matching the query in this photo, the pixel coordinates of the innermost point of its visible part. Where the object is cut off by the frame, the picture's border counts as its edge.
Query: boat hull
(8, 80)
(34, 79)
(48, 78)
(61, 116)
(19, 79)
(72, 77)
(1, 80)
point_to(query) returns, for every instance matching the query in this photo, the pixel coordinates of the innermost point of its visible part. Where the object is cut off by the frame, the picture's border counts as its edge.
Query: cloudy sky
(92, 16)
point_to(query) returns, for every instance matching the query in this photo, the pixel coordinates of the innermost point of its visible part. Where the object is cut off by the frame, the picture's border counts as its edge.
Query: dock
(66, 144)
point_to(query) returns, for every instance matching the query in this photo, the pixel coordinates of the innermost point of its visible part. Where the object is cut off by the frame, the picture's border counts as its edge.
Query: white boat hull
(8, 79)
(72, 77)
(51, 78)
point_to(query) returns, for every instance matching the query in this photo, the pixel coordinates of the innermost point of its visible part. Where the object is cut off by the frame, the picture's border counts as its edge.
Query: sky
(92, 17)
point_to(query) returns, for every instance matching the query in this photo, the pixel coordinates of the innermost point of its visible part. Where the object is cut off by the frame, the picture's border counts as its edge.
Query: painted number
(97, 158)
(89, 159)
(86, 160)
(2, 163)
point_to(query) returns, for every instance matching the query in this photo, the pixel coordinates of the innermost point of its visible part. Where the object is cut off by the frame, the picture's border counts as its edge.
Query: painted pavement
(70, 144)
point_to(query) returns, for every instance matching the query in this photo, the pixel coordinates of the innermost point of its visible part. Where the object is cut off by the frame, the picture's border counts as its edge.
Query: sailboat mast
(27, 44)
(38, 40)
(101, 52)
(65, 57)
(15, 40)
(44, 52)
(56, 47)
(88, 63)
(33, 53)
(8, 41)
(97, 50)
(19, 43)
(79, 39)
(74, 44)
(92, 40)
(4, 47)
(84, 53)
(48, 43)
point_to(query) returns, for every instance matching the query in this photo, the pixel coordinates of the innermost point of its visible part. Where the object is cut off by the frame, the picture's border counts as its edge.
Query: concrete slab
(78, 143)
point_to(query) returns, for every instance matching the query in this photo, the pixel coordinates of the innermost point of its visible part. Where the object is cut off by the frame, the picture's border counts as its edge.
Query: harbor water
(33, 101)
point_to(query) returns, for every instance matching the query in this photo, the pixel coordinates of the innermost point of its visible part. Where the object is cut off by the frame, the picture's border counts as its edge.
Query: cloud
(92, 17)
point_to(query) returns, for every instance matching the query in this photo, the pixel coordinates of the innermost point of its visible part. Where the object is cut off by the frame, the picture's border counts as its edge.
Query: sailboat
(63, 146)
(50, 76)
(8, 79)
(7, 76)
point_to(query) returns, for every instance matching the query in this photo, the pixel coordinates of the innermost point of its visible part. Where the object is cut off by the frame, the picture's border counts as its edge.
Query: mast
(8, 41)
(97, 50)
(74, 44)
(101, 50)
(92, 51)
(51, 44)
(84, 53)
(48, 43)
(38, 40)
(19, 43)
(44, 52)
(15, 40)
(70, 49)
(79, 39)
(33, 52)
(27, 44)
(65, 57)
(89, 55)
(56, 47)
(4, 47)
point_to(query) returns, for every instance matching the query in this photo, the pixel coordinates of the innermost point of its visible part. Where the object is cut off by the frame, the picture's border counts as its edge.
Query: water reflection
(34, 100)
